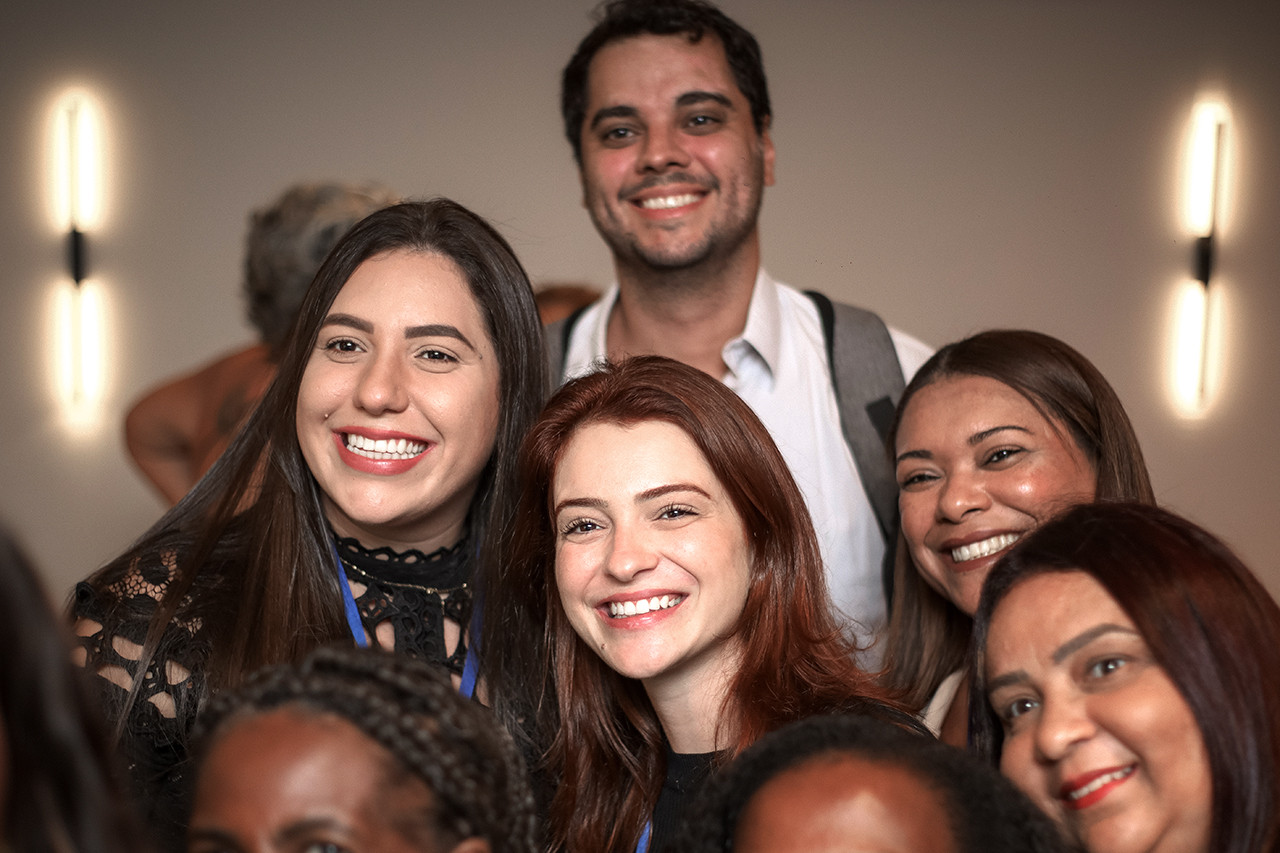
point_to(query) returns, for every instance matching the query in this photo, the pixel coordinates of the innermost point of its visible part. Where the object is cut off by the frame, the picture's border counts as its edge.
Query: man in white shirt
(667, 108)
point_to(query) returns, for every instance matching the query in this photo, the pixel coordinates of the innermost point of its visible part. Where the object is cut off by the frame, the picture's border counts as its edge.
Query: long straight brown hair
(928, 636)
(247, 552)
(600, 734)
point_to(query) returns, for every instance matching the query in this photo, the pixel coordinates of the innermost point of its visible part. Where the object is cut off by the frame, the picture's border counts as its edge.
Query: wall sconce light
(1204, 189)
(77, 204)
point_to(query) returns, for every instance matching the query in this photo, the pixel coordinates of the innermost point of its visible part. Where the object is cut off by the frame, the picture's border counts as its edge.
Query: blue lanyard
(643, 846)
(470, 667)
(349, 602)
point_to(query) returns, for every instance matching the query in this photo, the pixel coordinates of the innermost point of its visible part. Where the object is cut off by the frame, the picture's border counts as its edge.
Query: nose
(382, 387)
(663, 149)
(1062, 723)
(630, 553)
(961, 494)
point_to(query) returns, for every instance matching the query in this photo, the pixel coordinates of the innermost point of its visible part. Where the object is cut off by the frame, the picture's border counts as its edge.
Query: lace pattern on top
(412, 602)
(415, 603)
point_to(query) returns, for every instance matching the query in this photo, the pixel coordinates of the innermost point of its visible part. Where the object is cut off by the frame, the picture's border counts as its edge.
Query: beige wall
(955, 165)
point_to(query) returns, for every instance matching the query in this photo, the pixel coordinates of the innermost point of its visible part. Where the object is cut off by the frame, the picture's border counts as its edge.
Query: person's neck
(691, 709)
(688, 315)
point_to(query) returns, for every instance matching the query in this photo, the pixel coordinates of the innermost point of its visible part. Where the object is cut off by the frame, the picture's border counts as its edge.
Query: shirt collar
(761, 338)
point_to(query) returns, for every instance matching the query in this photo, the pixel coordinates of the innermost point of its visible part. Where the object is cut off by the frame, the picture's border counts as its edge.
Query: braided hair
(411, 709)
(985, 811)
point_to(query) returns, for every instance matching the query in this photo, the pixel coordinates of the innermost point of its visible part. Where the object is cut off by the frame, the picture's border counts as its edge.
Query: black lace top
(411, 602)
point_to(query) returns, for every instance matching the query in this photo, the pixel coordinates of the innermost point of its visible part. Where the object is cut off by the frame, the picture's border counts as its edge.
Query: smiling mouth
(668, 202)
(383, 448)
(985, 548)
(1076, 797)
(623, 609)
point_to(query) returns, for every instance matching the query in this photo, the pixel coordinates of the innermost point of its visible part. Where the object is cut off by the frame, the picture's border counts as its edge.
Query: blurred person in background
(178, 430)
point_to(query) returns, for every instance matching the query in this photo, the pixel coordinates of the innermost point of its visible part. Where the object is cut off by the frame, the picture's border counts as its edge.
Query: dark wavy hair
(1210, 625)
(621, 19)
(63, 789)
(261, 584)
(410, 708)
(985, 812)
(928, 635)
(599, 731)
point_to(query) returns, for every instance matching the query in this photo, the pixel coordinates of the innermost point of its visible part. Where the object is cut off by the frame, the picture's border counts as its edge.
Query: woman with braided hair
(355, 750)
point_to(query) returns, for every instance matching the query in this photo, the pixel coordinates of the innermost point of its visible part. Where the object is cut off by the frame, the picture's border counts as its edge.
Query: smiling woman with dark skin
(359, 751)
(841, 783)
(995, 435)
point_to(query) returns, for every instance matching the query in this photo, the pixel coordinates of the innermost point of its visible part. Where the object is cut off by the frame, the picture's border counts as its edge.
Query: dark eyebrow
(688, 99)
(659, 491)
(220, 837)
(1009, 678)
(588, 503)
(979, 437)
(1063, 652)
(612, 112)
(699, 96)
(306, 827)
(973, 441)
(441, 330)
(1083, 639)
(646, 495)
(349, 321)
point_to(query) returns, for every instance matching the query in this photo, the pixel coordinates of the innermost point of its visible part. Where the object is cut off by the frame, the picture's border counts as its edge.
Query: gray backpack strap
(556, 338)
(868, 383)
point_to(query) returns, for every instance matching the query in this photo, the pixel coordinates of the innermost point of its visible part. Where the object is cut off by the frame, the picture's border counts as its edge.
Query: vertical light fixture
(77, 202)
(1193, 338)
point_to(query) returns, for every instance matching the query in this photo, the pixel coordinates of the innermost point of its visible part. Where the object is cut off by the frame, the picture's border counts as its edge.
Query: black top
(686, 774)
(404, 601)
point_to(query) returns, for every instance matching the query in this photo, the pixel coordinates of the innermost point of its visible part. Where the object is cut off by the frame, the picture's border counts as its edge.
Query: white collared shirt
(778, 365)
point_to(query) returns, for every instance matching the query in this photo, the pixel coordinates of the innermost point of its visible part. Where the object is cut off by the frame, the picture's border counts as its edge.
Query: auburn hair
(596, 730)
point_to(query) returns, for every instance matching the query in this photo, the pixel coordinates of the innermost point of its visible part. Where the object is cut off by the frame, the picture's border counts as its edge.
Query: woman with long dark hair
(664, 603)
(362, 500)
(994, 435)
(1127, 678)
(59, 785)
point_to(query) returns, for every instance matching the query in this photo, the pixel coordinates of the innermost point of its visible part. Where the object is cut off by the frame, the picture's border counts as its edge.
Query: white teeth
(984, 548)
(622, 609)
(669, 201)
(1086, 790)
(382, 448)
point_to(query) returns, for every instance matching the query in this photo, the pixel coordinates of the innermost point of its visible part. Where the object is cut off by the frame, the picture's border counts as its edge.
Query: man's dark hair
(620, 19)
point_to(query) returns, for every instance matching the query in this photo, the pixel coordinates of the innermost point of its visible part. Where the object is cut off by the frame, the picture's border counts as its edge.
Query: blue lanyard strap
(470, 668)
(349, 602)
(643, 846)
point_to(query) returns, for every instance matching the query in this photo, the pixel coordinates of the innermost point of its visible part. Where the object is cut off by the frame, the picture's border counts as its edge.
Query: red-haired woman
(665, 578)
(1127, 678)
